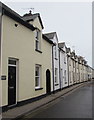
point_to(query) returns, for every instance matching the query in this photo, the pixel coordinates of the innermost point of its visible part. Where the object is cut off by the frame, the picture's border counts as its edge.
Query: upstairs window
(55, 52)
(65, 58)
(37, 39)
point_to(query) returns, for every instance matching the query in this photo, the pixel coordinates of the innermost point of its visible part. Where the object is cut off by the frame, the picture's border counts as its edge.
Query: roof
(45, 38)
(50, 35)
(31, 17)
(12, 14)
(61, 45)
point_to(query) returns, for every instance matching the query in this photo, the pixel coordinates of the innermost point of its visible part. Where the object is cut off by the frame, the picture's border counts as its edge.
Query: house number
(3, 77)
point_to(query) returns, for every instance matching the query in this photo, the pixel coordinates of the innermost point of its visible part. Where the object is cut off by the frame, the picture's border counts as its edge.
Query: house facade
(55, 60)
(33, 64)
(70, 67)
(24, 72)
(63, 65)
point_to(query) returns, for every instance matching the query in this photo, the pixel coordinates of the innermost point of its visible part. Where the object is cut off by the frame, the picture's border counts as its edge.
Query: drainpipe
(53, 67)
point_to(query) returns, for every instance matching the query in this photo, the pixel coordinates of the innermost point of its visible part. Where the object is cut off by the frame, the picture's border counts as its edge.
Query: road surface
(78, 104)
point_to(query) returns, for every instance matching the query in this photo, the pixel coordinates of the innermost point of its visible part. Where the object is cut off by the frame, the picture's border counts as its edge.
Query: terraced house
(63, 65)
(33, 64)
(25, 56)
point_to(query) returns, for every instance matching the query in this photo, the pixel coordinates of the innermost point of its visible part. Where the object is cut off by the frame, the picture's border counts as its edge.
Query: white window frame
(56, 75)
(65, 76)
(37, 39)
(55, 51)
(39, 66)
(65, 58)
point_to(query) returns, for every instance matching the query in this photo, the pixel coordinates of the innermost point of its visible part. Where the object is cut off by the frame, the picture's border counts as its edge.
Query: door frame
(17, 76)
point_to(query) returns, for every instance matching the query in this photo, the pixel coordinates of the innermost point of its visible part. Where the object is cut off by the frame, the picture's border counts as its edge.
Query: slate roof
(50, 35)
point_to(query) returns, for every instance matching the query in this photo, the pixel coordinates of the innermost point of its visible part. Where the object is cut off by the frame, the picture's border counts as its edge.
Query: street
(77, 104)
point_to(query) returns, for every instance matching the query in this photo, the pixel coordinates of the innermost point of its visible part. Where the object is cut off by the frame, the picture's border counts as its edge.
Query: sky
(71, 20)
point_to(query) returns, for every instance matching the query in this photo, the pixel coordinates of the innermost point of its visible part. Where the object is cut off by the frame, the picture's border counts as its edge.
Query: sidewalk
(22, 110)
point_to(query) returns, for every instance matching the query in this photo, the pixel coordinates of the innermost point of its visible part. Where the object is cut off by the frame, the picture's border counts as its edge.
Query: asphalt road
(78, 104)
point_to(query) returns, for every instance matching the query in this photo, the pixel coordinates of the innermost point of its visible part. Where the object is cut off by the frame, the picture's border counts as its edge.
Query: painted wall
(56, 63)
(64, 67)
(70, 71)
(19, 43)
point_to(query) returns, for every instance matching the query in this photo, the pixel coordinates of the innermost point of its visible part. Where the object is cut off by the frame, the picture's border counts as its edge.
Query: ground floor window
(70, 76)
(37, 76)
(65, 76)
(56, 75)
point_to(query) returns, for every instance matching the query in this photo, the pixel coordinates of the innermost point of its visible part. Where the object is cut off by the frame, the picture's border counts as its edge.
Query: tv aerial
(31, 9)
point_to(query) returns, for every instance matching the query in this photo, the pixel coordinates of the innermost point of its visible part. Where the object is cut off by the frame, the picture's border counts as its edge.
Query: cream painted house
(70, 67)
(77, 69)
(26, 58)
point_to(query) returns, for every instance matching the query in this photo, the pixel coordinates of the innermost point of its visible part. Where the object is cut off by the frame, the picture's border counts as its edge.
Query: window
(74, 64)
(61, 71)
(56, 70)
(70, 76)
(64, 58)
(65, 76)
(37, 38)
(55, 52)
(70, 61)
(37, 76)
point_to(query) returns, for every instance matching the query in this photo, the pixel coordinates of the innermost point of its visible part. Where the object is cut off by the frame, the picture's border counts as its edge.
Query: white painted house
(55, 60)
(63, 65)
(70, 67)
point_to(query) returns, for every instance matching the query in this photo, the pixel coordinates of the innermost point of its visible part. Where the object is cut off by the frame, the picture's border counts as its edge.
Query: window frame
(37, 39)
(38, 76)
(56, 75)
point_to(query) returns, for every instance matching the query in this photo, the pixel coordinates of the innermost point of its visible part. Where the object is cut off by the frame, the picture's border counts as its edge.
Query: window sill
(38, 89)
(38, 51)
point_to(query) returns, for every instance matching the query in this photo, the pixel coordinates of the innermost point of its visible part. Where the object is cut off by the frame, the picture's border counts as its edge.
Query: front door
(12, 82)
(48, 82)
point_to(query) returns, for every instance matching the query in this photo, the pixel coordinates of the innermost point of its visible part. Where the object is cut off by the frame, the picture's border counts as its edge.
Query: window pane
(36, 81)
(37, 45)
(37, 71)
(56, 75)
(13, 62)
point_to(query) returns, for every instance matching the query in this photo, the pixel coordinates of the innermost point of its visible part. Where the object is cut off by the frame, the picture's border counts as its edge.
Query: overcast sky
(71, 20)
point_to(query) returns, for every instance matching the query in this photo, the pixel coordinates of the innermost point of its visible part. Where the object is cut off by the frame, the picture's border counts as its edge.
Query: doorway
(48, 82)
(12, 76)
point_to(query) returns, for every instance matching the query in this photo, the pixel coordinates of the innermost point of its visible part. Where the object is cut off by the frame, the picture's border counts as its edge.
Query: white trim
(12, 65)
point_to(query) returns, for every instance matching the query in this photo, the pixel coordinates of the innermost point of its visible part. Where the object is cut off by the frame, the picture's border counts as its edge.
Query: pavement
(18, 112)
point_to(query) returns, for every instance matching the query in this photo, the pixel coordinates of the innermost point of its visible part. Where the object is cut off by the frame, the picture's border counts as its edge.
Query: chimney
(28, 14)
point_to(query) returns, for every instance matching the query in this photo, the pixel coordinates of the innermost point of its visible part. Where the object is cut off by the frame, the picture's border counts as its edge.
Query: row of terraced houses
(33, 64)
